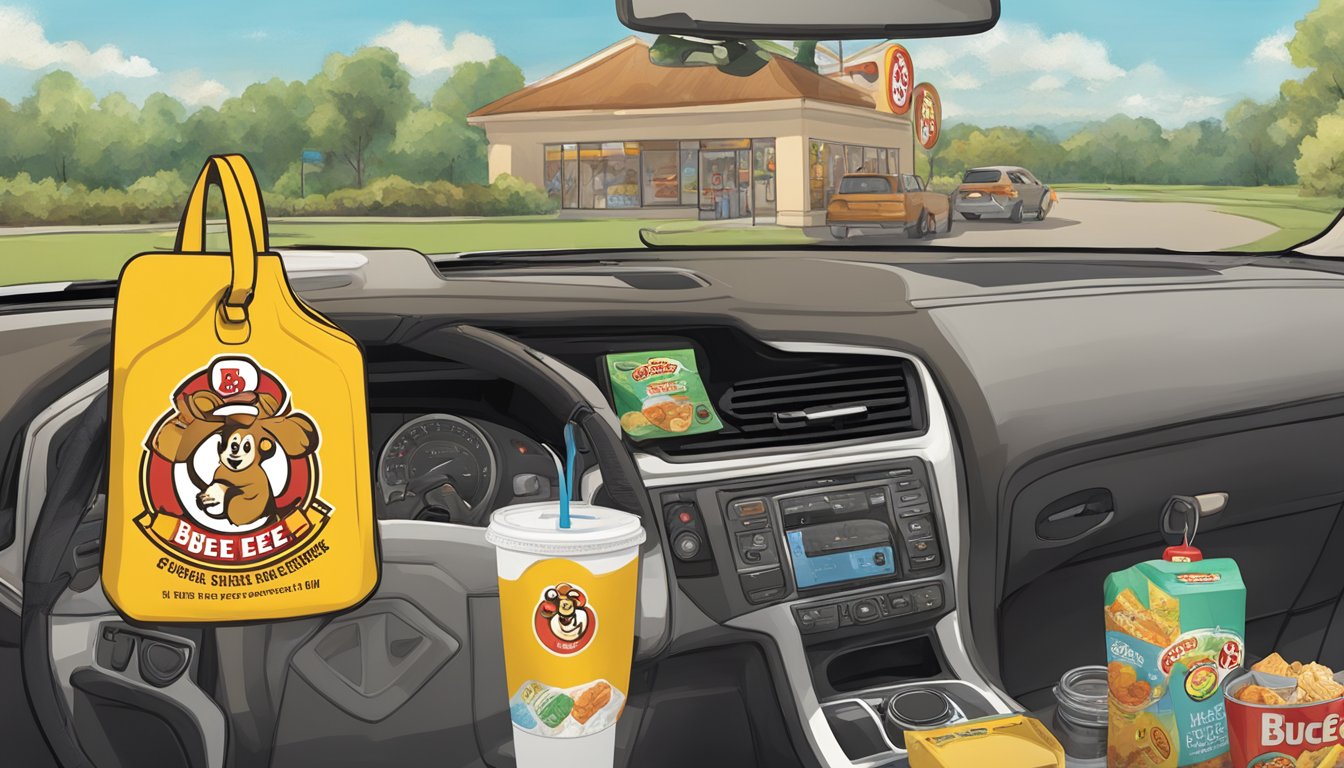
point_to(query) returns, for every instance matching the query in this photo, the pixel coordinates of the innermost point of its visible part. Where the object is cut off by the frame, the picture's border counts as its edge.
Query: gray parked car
(1002, 191)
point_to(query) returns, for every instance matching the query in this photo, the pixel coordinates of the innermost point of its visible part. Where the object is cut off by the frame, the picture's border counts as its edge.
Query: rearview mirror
(810, 19)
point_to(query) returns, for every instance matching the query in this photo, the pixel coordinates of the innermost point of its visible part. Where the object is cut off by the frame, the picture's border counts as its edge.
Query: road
(1093, 222)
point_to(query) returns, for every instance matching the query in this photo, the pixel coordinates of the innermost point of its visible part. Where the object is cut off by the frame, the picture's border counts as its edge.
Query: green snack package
(659, 394)
(1174, 631)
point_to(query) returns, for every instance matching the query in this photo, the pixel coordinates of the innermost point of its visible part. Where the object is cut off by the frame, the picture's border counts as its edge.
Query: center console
(843, 560)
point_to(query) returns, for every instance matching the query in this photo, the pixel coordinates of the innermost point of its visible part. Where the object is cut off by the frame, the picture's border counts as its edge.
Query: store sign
(900, 79)
(928, 115)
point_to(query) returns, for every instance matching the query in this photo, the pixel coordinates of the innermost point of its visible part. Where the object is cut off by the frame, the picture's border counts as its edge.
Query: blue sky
(1050, 61)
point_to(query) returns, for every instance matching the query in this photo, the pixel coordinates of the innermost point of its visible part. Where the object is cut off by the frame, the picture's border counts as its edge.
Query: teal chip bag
(660, 394)
(1174, 632)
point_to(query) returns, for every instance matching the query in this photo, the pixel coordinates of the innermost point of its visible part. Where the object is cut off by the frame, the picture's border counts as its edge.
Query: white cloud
(1046, 83)
(257, 34)
(1017, 47)
(26, 46)
(1273, 48)
(963, 81)
(195, 90)
(423, 51)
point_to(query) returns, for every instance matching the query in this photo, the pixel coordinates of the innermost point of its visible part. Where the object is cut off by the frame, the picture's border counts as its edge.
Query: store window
(853, 159)
(609, 175)
(816, 175)
(570, 186)
(553, 172)
(661, 164)
(870, 160)
(893, 161)
(763, 177)
(690, 172)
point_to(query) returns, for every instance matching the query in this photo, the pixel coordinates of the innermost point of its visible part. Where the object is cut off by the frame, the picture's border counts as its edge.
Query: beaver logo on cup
(229, 476)
(565, 622)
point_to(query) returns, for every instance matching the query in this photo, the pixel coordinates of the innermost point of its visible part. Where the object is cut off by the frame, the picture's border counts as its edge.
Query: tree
(1264, 151)
(1316, 45)
(58, 107)
(475, 84)
(357, 102)
(430, 145)
(1320, 168)
(269, 122)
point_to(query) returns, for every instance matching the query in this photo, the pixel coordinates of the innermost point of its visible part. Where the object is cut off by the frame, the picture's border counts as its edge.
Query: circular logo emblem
(564, 621)
(900, 79)
(1230, 655)
(229, 475)
(1160, 741)
(1201, 682)
(928, 115)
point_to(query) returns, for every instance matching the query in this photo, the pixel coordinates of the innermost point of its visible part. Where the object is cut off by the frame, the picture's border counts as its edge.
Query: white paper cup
(567, 610)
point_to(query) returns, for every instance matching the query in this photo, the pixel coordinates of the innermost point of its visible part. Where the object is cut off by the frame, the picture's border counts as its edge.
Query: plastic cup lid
(535, 528)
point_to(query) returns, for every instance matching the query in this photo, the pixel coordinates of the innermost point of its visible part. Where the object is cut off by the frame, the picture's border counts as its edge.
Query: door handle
(1182, 510)
(1075, 515)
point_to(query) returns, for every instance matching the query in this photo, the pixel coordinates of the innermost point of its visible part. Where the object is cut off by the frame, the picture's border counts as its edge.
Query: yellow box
(1010, 741)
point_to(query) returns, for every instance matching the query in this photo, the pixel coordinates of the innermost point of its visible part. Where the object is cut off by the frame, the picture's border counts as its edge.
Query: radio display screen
(851, 565)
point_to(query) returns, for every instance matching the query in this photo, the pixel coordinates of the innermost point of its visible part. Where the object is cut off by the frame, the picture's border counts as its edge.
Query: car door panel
(1285, 494)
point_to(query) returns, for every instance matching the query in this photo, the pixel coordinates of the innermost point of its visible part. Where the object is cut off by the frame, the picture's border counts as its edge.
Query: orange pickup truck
(884, 200)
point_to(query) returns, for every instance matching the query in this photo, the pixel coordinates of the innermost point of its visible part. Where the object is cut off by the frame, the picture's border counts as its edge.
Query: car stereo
(838, 537)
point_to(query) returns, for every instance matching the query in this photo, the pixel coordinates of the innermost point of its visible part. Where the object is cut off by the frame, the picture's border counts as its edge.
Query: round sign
(928, 115)
(716, 180)
(900, 79)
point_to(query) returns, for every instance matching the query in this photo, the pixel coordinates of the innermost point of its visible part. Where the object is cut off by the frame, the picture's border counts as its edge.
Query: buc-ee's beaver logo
(565, 622)
(230, 472)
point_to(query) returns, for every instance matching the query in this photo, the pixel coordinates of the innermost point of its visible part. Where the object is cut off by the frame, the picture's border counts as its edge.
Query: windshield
(1200, 126)
(864, 185)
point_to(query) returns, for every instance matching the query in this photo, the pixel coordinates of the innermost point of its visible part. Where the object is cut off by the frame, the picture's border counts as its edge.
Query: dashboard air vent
(829, 398)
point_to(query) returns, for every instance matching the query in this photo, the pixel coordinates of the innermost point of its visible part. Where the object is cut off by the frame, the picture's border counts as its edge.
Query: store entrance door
(718, 185)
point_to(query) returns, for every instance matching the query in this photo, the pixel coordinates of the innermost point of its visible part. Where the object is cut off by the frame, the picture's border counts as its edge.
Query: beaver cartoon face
(250, 429)
(565, 607)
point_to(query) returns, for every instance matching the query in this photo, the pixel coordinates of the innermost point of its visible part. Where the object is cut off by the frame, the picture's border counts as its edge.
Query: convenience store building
(618, 135)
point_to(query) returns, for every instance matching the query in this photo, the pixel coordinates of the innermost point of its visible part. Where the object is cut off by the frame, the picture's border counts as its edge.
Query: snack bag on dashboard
(1174, 631)
(659, 394)
(238, 482)
(1283, 715)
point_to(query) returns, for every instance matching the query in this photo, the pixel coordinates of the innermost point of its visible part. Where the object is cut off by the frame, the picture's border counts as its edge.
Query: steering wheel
(56, 576)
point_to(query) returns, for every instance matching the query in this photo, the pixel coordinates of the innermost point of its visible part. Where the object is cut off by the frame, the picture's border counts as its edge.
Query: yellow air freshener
(238, 485)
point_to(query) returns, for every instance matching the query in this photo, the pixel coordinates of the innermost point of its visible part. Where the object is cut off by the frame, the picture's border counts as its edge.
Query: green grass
(1297, 217)
(96, 255)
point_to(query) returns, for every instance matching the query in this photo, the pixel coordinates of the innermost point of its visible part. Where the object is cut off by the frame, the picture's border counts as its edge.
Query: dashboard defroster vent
(830, 398)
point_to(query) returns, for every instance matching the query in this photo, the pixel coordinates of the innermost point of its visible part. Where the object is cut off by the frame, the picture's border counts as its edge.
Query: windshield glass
(1201, 126)
(864, 185)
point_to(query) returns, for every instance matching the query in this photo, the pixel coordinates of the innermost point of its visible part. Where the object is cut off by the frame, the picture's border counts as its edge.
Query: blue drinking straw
(567, 478)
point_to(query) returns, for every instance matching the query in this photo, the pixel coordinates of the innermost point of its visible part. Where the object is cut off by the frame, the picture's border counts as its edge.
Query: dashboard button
(866, 610)
(911, 498)
(686, 546)
(913, 512)
(917, 527)
(754, 582)
(922, 547)
(928, 598)
(900, 603)
(764, 595)
(901, 472)
(907, 485)
(750, 508)
(926, 561)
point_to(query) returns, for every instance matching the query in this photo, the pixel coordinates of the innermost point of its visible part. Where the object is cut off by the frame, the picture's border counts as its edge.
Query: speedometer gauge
(438, 455)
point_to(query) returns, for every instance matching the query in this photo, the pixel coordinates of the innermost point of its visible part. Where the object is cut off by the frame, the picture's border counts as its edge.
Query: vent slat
(748, 407)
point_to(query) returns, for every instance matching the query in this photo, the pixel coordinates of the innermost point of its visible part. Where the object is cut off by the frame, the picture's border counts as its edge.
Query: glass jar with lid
(1081, 716)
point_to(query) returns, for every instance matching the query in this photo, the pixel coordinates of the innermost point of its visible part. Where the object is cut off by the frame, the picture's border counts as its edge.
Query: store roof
(622, 77)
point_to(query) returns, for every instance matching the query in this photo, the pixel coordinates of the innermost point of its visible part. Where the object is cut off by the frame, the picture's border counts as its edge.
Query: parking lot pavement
(1098, 223)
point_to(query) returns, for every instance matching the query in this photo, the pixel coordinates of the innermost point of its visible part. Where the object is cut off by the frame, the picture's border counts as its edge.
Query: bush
(161, 197)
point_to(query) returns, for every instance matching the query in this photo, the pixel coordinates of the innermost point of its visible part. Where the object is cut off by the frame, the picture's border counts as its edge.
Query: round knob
(918, 708)
(686, 546)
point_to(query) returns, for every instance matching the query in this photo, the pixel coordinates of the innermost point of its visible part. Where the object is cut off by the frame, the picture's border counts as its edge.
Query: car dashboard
(900, 539)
